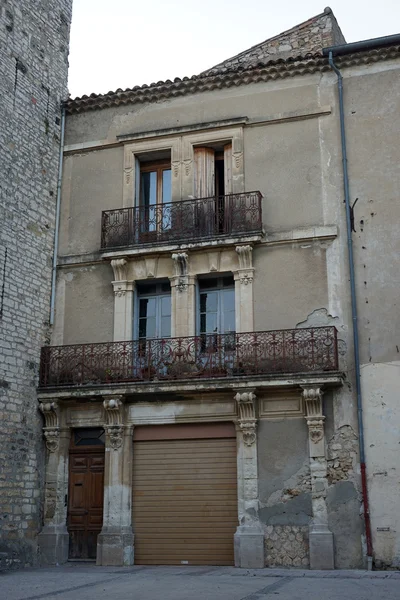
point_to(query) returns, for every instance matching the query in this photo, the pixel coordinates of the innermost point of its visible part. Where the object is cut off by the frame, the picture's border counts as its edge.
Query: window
(154, 197)
(154, 311)
(216, 305)
(212, 184)
(217, 315)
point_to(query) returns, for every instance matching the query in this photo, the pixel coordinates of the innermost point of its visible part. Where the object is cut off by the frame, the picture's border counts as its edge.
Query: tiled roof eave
(271, 70)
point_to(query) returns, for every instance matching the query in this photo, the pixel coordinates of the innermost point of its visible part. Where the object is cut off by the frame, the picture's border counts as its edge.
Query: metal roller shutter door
(185, 498)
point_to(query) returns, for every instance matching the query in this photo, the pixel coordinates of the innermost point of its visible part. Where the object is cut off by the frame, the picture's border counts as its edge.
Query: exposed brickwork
(286, 546)
(342, 455)
(34, 39)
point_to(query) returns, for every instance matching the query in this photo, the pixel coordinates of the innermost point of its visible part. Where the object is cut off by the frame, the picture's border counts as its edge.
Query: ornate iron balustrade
(204, 356)
(200, 218)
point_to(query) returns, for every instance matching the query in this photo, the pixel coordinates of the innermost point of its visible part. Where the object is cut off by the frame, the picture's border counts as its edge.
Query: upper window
(155, 193)
(212, 171)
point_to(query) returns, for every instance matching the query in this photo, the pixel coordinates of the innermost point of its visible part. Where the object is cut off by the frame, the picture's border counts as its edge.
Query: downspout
(354, 315)
(57, 223)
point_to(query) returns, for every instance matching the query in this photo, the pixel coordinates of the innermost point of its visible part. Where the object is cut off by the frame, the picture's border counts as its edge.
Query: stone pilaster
(321, 538)
(249, 536)
(115, 543)
(244, 276)
(123, 300)
(183, 293)
(53, 540)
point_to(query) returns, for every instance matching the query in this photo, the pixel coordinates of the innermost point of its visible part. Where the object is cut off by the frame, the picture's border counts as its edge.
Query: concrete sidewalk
(85, 581)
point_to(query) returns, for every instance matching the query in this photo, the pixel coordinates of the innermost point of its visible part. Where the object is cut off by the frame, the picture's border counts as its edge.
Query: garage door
(184, 494)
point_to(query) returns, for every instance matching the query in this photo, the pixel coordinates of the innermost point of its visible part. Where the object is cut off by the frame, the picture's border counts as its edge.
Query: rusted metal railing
(199, 218)
(203, 356)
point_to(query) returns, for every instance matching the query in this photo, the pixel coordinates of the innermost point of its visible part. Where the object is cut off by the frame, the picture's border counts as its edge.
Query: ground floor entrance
(86, 490)
(185, 494)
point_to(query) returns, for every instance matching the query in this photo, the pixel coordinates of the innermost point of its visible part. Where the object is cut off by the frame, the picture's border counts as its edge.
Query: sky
(123, 43)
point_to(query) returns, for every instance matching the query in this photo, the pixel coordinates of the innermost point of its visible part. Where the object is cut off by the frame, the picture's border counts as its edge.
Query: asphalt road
(87, 582)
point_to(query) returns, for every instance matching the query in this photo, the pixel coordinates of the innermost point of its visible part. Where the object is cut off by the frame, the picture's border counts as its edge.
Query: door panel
(85, 507)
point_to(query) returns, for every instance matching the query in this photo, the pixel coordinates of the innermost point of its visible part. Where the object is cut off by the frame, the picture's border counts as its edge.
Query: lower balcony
(227, 356)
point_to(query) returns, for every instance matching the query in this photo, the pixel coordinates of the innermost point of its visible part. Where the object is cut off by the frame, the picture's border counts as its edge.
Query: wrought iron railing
(204, 356)
(200, 218)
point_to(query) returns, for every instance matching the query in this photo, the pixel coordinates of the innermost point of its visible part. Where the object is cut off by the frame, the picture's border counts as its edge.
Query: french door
(154, 201)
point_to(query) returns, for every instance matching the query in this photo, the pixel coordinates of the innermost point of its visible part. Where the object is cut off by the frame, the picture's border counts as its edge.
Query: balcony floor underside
(281, 382)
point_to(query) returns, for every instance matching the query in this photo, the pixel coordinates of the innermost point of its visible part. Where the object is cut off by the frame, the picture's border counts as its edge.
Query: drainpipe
(57, 223)
(354, 312)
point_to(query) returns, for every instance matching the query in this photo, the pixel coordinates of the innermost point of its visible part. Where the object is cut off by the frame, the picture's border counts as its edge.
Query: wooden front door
(86, 490)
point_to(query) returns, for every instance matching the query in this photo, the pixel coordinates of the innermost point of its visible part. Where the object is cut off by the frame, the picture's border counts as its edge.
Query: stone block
(321, 548)
(115, 549)
(249, 547)
(53, 545)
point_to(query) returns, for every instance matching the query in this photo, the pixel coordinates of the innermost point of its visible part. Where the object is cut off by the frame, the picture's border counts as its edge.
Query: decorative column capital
(51, 430)
(119, 266)
(113, 407)
(246, 402)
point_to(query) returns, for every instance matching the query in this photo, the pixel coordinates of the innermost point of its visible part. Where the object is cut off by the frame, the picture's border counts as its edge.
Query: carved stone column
(115, 543)
(244, 306)
(249, 536)
(53, 540)
(123, 300)
(183, 291)
(321, 538)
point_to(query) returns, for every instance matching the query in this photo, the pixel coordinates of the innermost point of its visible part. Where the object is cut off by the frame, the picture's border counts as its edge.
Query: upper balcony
(197, 220)
(292, 353)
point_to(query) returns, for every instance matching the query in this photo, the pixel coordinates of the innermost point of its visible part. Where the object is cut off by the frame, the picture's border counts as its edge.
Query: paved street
(87, 582)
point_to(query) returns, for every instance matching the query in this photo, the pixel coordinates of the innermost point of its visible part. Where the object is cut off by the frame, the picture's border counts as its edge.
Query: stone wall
(34, 39)
(308, 37)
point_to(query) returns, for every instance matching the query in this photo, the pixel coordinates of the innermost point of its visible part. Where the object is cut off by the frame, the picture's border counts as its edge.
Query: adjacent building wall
(373, 128)
(34, 38)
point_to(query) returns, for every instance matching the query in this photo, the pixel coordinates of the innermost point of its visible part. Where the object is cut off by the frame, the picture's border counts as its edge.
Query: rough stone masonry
(34, 41)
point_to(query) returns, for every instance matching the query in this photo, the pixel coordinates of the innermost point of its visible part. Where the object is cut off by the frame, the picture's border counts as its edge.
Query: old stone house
(200, 394)
(34, 38)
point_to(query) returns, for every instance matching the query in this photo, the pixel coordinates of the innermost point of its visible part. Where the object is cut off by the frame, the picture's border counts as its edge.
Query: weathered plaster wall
(89, 304)
(283, 161)
(282, 302)
(92, 182)
(34, 39)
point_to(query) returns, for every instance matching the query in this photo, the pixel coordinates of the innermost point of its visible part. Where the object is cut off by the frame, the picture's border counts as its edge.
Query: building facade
(34, 38)
(198, 392)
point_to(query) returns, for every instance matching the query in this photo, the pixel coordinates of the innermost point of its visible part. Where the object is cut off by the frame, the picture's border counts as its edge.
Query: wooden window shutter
(228, 168)
(137, 182)
(204, 172)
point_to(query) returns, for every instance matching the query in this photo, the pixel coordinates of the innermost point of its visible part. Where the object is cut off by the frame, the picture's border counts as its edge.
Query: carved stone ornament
(114, 434)
(312, 396)
(181, 263)
(316, 430)
(247, 416)
(245, 255)
(51, 430)
(182, 286)
(113, 408)
(119, 266)
(52, 436)
(246, 278)
(119, 291)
